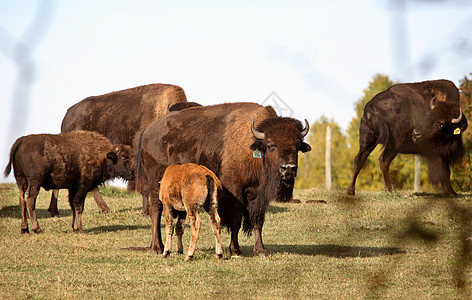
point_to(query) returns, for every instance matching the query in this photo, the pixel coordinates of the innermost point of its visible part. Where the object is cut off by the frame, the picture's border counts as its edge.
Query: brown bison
(255, 164)
(414, 118)
(78, 161)
(184, 190)
(120, 116)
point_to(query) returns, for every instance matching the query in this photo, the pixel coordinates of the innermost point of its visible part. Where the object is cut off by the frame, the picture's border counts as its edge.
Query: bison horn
(168, 107)
(432, 104)
(257, 134)
(455, 121)
(305, 130)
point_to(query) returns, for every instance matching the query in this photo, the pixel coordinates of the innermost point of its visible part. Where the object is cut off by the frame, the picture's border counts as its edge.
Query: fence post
(417, 187)
(328, 158)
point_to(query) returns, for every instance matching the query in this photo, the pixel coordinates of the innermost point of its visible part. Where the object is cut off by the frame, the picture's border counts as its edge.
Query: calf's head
(121, 162)
(277, 142)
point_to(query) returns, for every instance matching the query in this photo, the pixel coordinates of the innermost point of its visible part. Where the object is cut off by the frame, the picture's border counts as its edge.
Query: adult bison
(78, 161)
(254, 164)
(414, 118)
(120, 116)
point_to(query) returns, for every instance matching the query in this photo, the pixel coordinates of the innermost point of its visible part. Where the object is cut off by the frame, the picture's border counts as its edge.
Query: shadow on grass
(110, 228)
(13, 211)
(330, 250)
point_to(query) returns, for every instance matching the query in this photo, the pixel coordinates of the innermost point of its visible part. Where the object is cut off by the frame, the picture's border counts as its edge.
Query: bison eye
(124, 158)
(270, 147)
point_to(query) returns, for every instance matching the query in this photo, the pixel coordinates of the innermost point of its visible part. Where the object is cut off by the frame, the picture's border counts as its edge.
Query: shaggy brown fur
(414, 118)
(120, 116)
(186, 188)
(220, 138)
(78, 161)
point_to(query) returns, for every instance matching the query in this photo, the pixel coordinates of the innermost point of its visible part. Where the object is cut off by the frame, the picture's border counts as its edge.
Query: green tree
(311, 171)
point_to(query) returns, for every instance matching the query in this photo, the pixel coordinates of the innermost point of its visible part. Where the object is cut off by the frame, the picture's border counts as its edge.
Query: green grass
(375, 245)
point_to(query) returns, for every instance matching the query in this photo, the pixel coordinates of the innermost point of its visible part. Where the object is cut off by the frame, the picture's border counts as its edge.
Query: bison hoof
(235, 252)
(24, 230)
(180, 252)
(219, 256)
(262, 253)
(188, 258)
(166, 254)
(38, 230)
(54, 214)
(104, 210)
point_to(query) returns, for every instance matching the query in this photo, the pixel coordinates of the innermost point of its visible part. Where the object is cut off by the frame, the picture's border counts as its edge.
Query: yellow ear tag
(457, 131)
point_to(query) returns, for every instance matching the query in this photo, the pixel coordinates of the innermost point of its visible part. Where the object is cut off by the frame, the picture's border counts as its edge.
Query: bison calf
(183, 190)
(77, 160)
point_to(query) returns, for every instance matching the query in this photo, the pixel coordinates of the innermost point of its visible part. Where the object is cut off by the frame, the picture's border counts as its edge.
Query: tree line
(345, 145)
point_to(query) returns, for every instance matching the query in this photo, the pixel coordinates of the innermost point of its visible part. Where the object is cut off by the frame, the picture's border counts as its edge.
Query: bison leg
(367, 144)
(179, 230)
(24, 221)
(53, 204)
(259, 248)
(156, 211)
(145, 211)
(195, 224)
(446, 180)
(103, 207)
(439, 172)
(31, 195)
(384, 160)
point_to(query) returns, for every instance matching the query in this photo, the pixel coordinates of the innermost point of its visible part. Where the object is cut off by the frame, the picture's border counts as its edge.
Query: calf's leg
(169, 228)
(215, 226)
(195, 224)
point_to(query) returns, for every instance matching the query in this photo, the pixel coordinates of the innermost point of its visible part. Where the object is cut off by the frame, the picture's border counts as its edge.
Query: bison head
(277, 142)
(443, 126)
(121, 162)
(446, 120)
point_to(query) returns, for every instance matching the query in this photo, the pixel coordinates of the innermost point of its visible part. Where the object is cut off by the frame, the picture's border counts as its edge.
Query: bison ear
(258, 145)
(112, 156)
(304, 147)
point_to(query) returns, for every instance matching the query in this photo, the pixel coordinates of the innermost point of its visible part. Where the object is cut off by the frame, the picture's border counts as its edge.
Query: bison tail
(384, 133)
(7, 169)
(377, 125)
(13, 150)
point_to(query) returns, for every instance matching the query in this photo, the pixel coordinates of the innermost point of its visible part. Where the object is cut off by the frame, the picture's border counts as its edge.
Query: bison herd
(232, 159)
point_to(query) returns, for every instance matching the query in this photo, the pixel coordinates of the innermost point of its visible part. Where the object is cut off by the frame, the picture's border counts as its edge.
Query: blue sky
(317, 56)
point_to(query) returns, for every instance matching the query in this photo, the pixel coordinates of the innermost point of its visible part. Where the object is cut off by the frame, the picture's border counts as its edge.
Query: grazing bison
(120, 116)
(184, 189)
(254, 164)
(78, 161)
(414, 118)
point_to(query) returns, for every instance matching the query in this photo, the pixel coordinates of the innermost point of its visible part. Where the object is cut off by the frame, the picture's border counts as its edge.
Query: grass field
(374, 245)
